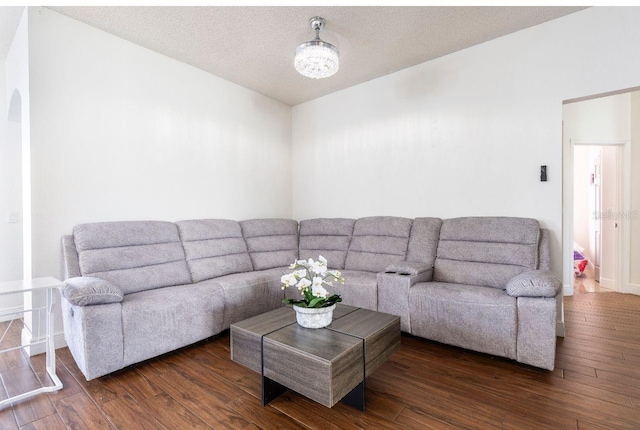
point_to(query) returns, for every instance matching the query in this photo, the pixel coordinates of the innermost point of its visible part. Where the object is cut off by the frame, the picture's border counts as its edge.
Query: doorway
(601, 130)
(596, 204)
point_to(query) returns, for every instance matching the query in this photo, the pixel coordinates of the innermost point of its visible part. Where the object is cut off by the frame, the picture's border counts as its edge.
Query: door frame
(623, 241)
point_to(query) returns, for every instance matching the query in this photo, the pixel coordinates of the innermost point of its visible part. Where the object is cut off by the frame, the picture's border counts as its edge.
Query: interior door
(597, 215)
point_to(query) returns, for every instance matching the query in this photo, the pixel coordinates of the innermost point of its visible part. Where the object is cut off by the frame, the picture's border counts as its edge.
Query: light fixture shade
(317, 59)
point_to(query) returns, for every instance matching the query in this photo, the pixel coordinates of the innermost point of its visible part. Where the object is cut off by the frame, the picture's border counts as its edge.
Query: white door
(597, 215)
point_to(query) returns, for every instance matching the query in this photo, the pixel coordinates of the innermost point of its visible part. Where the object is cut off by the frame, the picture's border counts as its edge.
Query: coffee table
(326, 365)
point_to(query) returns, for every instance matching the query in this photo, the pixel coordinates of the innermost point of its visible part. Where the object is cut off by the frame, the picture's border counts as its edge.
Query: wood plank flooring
(426, 385)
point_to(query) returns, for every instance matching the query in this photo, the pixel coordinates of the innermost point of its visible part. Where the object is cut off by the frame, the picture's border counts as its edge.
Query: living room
(114, 131)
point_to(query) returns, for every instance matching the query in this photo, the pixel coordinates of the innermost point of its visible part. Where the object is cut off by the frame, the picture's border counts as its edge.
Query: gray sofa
(138, 289)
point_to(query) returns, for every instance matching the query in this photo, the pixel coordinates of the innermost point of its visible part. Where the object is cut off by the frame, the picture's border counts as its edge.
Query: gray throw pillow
(85, 291)
(535, 283)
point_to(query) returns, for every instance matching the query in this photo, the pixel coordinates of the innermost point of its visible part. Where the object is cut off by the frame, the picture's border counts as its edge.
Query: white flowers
(317, 289)
(311, 277)
(318, 267)
(303, 284)
(288, 280)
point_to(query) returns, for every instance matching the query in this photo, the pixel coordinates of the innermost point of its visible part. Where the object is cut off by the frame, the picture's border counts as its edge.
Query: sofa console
(138, 289)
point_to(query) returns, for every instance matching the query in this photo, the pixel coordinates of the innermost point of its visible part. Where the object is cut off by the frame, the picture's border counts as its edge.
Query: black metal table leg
(271, 390)
(355, 397)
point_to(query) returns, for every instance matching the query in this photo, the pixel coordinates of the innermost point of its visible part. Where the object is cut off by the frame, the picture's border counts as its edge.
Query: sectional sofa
(138, 289)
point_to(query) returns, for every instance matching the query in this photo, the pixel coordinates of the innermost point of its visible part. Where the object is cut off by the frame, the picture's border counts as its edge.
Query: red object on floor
(582, 265)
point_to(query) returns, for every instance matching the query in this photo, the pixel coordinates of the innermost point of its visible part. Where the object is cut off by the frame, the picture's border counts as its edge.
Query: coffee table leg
(355, 397)
(271, 390)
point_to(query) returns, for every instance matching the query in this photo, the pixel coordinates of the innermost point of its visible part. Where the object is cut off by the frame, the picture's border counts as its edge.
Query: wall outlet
(12, 217)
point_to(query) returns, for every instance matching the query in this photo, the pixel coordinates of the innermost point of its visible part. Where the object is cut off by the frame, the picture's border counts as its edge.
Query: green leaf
(316, 302)
(334, 299)
(293, 302)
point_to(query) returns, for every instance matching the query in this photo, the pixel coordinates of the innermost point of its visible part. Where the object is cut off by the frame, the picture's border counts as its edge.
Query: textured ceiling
(254, 46)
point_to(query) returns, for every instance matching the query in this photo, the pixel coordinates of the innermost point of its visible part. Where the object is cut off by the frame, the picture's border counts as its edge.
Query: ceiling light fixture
(317, 59)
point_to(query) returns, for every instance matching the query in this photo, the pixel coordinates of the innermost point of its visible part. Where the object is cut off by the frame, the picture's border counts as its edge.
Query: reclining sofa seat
(464, 301)
(161, 309)
(181, 283)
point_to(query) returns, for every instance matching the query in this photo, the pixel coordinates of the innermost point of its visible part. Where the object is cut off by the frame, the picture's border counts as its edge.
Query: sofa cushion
(250, 294)
(329, 237)
(544, 259)
(214, 247)
(134, 255)
(423, 240)
(71, 265)
(86, 291)
(378, 242)
(161, 320)
(271, 242)
(480, 318)
(486, 251)
(360, 289)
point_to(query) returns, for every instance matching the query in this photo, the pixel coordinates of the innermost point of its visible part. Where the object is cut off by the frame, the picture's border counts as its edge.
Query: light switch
(12, 217)
(543, 173)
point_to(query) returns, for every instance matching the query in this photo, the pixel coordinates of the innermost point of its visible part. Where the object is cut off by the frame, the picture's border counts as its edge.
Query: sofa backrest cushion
(214, 247)
(70, 263)
(423, 241)
(133, 255)
(271, 242)
(486, 251)
(544, 258)
(329, 237)
(378, 242)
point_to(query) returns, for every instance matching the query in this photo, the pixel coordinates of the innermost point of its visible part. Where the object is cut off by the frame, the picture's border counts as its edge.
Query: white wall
(14, 146)
(596, 120)
(464, 134)
(10, 191)
(17, 88)
(10, 201)
(122, 133)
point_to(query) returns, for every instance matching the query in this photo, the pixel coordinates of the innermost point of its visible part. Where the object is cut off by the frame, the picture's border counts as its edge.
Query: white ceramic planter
(314, 317)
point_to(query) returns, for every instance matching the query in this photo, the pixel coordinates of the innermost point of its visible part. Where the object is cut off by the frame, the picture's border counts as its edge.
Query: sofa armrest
(535, 283)
(408, 268)
(86, 290)
(393, 293)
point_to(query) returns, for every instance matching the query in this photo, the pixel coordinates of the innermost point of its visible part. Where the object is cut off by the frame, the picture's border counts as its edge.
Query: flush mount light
(317, 59)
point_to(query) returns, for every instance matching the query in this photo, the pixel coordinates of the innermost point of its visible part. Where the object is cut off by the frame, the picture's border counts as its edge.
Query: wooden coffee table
(326, 365)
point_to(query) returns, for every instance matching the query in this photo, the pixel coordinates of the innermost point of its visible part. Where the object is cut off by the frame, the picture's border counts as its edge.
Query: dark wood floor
(596, 385)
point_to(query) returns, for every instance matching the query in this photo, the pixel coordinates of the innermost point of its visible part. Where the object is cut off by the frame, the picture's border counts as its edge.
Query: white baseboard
(634, 289)
(560, 328)
(567, 290)
(608, 283)
(58, 342)
(6, 314)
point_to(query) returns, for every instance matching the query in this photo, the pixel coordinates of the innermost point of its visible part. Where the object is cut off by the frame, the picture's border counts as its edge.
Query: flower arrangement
(310, 277)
